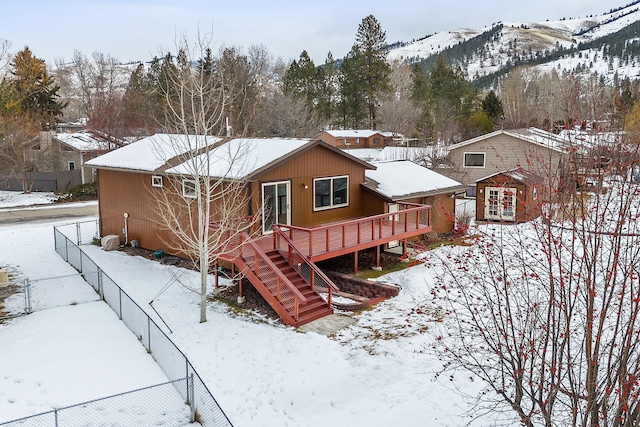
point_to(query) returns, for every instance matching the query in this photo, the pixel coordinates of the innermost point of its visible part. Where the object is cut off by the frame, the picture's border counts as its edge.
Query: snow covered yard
(12, 199)
(380, 371)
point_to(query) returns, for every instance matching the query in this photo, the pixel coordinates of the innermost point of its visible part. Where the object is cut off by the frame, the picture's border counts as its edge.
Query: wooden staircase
(288, 290)
(316, 306)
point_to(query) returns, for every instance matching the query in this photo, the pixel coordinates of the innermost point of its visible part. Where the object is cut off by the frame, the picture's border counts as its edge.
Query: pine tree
(370, 54)
(492, 106)
(35, 91)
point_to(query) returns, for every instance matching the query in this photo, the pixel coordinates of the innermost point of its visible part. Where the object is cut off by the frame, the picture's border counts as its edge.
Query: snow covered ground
(380, 371)
(13, 199)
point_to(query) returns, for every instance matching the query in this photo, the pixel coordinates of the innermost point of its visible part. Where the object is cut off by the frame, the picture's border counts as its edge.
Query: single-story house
(306, 201)
(354, 139)
(512, 196)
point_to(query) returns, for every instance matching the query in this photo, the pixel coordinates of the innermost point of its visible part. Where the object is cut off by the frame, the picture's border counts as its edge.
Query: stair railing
(262, 267)
(301, 263)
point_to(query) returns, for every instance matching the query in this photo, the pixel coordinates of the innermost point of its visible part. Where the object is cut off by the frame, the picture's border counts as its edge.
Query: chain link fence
(168, 356)
(158, 405)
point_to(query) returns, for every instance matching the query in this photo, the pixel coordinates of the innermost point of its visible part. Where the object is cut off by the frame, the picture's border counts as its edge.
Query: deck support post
(215, 266)
(355, 262)
(377, 255)
(404, 247)
(241, 298)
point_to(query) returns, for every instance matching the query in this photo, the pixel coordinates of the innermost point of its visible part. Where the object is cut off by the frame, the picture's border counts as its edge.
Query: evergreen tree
(492, 106)
(301, 79)
(351, 105)
(370, 54)
(35, 91)
(327, 91)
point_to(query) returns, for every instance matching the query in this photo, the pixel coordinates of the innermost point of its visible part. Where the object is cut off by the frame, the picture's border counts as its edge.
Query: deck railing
(301, 263)
(344, 235)
(259, 264)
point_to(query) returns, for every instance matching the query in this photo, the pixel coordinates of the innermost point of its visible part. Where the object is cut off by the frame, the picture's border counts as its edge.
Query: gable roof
(353, 133)
(83, 141)
(517, 174)
(235, 158)
(150, 154)
(534, 136)
(403, 179)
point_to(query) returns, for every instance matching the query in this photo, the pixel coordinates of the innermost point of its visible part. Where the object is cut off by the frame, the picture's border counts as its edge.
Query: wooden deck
(328, 241)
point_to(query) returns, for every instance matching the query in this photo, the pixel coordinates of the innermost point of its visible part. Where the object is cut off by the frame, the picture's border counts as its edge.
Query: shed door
(500, 203)
(276, 208)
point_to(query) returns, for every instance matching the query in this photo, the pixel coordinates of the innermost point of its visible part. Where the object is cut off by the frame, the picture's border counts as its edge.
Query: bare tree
(97, 87)
(547, 313)
(397, 112)
(205, 203)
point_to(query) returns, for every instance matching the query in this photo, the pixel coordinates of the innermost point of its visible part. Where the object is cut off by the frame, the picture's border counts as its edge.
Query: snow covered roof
(405, 153)
(517, 174)
(531, 135)
(151, 153)
(366, 154)
(241, 157)
(403, 179)
(83, 141)
(353, 133)
(234, 159)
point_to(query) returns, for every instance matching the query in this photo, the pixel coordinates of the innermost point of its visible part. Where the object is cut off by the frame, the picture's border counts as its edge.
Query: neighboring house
(512, 196)
(55, 161)
(86, 145)
(310, 197)
(355, 139)
(532, 149)
(399, 181)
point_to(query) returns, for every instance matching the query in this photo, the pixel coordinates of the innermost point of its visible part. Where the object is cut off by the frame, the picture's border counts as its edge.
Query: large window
(474, 160)
(189, 188)
(330, 192)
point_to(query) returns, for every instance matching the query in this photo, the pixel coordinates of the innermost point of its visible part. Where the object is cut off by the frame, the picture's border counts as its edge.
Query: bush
(81, 192)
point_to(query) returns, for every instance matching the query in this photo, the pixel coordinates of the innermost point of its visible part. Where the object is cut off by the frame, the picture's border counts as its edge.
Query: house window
(156, 181)
(189, 188)
(376, 140)
(330, 192)
(72, 165)
(344, 141)
(474, 160)
(357, 140)
(535, 193)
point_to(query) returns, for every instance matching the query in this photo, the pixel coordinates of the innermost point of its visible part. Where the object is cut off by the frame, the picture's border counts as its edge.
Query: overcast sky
(134, 30)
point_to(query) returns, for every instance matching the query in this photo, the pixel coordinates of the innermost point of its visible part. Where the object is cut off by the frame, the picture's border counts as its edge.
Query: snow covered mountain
(605, 44)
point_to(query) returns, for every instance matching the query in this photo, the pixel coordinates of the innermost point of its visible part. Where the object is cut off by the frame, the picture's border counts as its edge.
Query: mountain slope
(571, 45)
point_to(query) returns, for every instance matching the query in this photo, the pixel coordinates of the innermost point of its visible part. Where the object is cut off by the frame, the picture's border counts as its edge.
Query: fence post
(120, 303)
(100, 288)
(192, 398)
(27, 296)
(78, 234)
(55, 413)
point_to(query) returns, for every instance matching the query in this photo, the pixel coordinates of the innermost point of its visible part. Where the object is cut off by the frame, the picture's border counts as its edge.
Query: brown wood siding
(121, 192)
(318, 162)
(359, 142)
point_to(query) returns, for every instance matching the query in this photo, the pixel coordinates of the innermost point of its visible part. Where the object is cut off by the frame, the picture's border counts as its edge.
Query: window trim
(70, 163)
(188, 194)
(484, 159)
(156, 181)
(331, 193)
